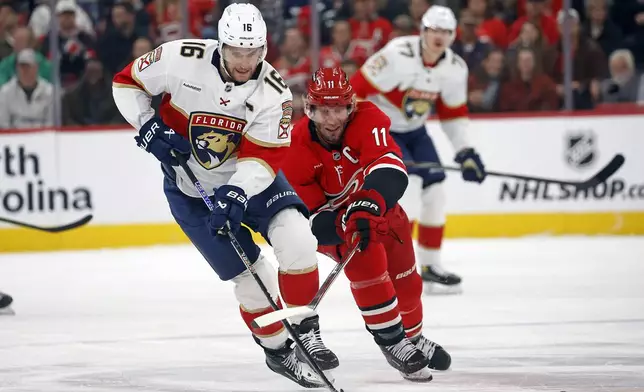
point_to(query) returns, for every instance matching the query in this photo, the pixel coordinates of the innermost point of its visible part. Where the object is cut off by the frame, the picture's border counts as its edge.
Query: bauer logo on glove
(162, 145)
(229, 210)
(363, 221)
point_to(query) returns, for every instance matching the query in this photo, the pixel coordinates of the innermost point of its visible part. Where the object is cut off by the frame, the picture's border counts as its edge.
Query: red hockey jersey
(325, 177)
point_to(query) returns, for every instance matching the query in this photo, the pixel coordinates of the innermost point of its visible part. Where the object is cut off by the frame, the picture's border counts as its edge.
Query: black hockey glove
(364, 220)
(160, 140)
(472, 168)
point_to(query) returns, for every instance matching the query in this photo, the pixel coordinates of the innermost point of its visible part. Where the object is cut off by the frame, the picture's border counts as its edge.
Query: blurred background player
(349, 172)
(230, 112)
(5, 303)
(405, 79)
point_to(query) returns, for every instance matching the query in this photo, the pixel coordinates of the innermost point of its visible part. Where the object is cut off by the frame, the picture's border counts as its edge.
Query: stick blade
(604, 174)
(84, 220)
(280, 315)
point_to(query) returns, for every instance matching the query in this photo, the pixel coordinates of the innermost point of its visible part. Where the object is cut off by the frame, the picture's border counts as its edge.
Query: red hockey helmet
(329, 87)
(329, 102)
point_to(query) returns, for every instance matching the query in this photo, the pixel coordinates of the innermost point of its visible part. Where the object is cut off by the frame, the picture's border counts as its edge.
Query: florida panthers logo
(418, 103)
(214, 137)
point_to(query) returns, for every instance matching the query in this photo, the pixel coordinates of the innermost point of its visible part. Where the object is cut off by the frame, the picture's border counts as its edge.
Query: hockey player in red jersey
(348, 171)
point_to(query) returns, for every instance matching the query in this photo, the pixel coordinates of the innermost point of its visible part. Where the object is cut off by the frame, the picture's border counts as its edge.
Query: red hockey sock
(378, 303)
(298, 288)
(412, 320)
(430, 236)
(267, 331)
(373, 289)
(409, 287)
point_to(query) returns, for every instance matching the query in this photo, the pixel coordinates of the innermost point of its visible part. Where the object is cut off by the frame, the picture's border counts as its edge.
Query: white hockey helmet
(242, 26)
(439, 17)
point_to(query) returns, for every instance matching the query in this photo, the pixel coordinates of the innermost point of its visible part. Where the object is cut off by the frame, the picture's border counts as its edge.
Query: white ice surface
(539, 314)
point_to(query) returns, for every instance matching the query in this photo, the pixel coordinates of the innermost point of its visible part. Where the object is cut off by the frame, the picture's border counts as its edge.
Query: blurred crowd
(513, 48)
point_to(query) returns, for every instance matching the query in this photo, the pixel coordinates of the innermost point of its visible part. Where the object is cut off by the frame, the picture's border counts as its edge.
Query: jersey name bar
(218, 121)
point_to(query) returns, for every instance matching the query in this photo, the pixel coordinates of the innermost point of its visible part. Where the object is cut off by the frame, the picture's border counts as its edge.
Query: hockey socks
(298, 287)
(271, 336)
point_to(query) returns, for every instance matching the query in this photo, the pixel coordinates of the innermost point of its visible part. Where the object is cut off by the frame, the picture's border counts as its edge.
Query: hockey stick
(183, 162)
(51, 229)
(283, 314)
(598, 178)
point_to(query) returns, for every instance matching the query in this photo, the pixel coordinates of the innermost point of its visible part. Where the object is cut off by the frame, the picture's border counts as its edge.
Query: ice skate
(405, 357)
(5, 304)
(284, 361)
(439, 359)
(309, 333)
(437, 281)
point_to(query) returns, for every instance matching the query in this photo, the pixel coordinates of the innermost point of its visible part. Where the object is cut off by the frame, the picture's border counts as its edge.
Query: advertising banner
(53, 178)
(569, 148)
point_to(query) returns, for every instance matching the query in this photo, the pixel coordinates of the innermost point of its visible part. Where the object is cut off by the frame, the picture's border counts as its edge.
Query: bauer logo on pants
(214, 137)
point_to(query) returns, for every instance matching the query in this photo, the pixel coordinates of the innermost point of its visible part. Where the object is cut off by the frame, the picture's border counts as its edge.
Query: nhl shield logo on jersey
(214, 137)
(418, 103)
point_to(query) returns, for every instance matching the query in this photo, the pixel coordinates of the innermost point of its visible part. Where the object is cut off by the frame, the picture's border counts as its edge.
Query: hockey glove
(230, 205)
(472, 167)
(364, 220)
(160, 140)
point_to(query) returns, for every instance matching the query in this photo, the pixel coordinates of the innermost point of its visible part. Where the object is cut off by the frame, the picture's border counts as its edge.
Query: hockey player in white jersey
(405, 79)
(230, 112)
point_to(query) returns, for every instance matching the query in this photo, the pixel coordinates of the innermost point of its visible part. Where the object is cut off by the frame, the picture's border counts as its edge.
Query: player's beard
(235, 74)
(239, 74)
(331, 135)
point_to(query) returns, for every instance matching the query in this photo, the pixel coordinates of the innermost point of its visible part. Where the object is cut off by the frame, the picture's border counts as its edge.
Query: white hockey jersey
(397, 81)
(236, 130)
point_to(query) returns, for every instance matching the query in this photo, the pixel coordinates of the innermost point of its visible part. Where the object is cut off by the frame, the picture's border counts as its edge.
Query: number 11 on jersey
(377, 135)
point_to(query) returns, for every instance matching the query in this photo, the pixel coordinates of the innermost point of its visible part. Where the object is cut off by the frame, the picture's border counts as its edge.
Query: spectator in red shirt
(490, 28)
(167, 16)
(342, 47)
(528, 89)
(535, 13)
(369, 30)
(532, 38)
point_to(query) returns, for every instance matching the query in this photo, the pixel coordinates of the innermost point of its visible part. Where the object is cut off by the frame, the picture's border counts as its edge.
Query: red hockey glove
(364, 221)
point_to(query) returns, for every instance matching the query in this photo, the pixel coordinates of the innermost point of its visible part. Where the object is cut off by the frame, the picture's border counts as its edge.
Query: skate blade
(423, 375)
(329, 375)
(309, 379)
(7, 311)
(432, 288)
